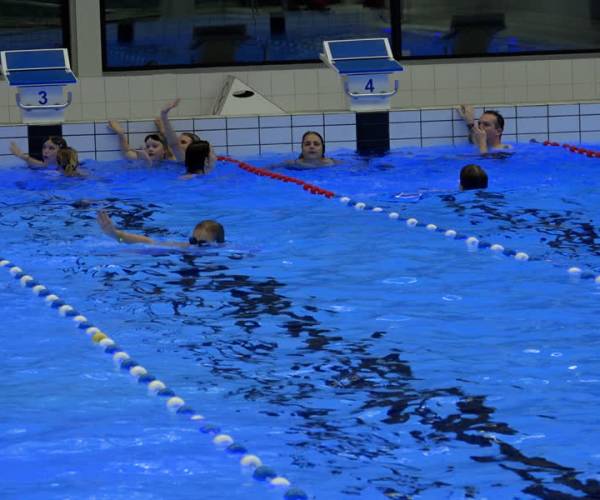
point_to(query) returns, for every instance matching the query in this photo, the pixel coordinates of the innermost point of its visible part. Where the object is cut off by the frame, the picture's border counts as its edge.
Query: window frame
(395, 38)
(396, 44)
(107, 69)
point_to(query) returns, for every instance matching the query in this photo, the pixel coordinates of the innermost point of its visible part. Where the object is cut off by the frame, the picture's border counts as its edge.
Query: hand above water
(467, 113)
(169, 106)
(116, 127)
(479, 137)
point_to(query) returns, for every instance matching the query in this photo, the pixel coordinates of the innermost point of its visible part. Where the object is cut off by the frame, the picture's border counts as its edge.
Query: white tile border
(569, 122)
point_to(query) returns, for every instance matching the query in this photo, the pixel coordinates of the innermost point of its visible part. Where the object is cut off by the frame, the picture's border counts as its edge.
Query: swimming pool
(356, 356)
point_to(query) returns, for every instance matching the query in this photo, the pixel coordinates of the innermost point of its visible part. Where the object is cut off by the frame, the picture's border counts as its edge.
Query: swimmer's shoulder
(324, 162)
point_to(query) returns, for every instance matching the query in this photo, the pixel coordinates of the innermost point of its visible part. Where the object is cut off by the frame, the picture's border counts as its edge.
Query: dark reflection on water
(326, 367)
(567, 232)
(330, 367)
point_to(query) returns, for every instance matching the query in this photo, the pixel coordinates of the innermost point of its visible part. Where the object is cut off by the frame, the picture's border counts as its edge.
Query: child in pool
(50, 149)
(205, 232)
(177, 143)
(473, 177)
(68, 162)
(154, 151)
(199, 160)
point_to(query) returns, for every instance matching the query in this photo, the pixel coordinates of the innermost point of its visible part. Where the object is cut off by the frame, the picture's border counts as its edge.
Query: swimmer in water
(473, 177)
(177, 143)
(68, 162)
(199, 160)
(313, 152)
(485, 133)
(50, 149)
(155, 146)
(204, 233)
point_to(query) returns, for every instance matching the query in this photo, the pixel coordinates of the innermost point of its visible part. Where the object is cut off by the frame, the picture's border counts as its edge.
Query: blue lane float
(174, 403)
(472, 242)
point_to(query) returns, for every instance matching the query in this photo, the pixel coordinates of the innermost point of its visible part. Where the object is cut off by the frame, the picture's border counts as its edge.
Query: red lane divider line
(590, 153)
(311, 188)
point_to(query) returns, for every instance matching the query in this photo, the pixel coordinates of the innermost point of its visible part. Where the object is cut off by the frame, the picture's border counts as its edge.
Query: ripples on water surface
(356, 356)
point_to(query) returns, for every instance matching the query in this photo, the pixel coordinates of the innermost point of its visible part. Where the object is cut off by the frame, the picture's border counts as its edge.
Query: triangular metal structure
(238, 99)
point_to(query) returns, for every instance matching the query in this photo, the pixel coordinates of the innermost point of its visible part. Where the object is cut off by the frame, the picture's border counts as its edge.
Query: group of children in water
(199, 159)
(196, 154)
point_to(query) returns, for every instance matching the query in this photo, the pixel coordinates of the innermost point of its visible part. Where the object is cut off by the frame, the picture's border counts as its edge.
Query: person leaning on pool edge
(50, 149)
(485, 133)
(205, 232)
(473, 177)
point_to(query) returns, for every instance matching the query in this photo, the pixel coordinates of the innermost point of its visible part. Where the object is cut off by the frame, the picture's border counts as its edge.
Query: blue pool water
(357, 357)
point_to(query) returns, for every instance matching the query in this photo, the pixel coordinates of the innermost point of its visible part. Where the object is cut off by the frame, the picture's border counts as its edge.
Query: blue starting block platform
(40, 76)
(365, 66)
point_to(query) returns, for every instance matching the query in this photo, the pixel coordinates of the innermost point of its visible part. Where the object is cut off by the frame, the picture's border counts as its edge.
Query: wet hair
(320, 138)
(57, 140)
(499, 117)
(160, 138)
(473, 177)
(213, 231)
(192, 136)
(67, 159)
(157, 137)
(196, 157)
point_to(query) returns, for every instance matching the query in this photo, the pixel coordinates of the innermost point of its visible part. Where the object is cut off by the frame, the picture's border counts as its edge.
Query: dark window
(38, 24)
(179, 33)
(442, 28)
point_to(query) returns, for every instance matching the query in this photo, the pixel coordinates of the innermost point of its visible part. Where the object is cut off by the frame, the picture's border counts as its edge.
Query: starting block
(365, 66)
(40, 76)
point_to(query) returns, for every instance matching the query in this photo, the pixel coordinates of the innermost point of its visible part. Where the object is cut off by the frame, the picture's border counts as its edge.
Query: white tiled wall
(319, 89)
(235, 136)
(572, 123)
(244, 136)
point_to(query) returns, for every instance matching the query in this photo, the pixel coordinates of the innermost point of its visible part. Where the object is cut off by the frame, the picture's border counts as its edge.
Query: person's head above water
(313, 146)
(208, 231)
(493, 123)
(187, 138)
(51, 147)
(197, 155)
(68, 160)
(473, 177)
(156, 147)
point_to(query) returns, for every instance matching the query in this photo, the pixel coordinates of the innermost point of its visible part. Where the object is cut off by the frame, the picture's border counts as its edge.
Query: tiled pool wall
(255, 135)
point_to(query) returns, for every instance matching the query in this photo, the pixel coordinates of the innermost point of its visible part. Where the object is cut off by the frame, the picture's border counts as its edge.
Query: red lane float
(311, 188)
(574, 149)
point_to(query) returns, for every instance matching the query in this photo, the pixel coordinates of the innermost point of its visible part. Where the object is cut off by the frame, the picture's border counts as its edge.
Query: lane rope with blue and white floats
(155, 386)
(472, 242)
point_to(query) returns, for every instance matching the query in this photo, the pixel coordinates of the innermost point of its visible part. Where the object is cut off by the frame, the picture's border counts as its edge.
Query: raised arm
(32, 162)
(167, 129)
(467, 113)
(108, 228)
(126, 149)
